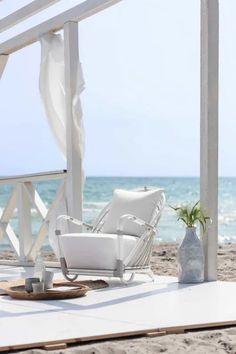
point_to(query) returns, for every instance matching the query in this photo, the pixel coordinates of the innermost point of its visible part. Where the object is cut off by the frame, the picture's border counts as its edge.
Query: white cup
(29, 284)
(48, 279)
(38, 287)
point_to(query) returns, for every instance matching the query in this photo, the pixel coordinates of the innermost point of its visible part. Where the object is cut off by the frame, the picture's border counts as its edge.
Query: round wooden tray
(19, 293)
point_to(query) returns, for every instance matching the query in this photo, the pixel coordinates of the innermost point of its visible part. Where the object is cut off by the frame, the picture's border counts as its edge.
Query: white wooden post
(74, 161)
(3, 62)
(209, 130)
(24, 219)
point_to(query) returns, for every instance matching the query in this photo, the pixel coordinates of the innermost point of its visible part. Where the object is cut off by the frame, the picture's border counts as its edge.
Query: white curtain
(52, 91)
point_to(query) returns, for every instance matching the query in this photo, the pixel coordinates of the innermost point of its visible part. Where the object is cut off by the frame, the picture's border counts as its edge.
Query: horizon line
(152, 176)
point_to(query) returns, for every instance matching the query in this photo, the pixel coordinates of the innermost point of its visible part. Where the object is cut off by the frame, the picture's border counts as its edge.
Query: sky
(141, 103)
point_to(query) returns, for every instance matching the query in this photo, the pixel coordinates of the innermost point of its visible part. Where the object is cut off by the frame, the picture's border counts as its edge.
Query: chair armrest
(120, 233)
(134, 219)
(64, 218)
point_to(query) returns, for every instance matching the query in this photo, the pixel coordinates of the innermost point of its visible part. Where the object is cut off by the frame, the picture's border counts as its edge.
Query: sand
(202, 342)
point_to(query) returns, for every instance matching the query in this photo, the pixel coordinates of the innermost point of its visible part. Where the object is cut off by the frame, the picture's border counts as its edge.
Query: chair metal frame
(138, 261)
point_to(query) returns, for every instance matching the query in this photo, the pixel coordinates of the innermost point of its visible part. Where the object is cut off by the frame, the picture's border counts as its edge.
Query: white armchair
(119, 242)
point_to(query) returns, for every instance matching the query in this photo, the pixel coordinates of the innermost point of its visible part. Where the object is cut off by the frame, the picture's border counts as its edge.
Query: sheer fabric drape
(52, 91)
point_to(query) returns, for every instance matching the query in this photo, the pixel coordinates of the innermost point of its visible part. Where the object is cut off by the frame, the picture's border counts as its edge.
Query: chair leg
(126, 282)
(65, 270)
(151, 275)
(71, 277)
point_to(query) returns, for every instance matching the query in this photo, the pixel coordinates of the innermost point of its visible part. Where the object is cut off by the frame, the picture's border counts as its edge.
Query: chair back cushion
(141, 204)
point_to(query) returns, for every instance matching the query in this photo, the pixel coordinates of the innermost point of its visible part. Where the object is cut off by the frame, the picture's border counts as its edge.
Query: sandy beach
(202, 342)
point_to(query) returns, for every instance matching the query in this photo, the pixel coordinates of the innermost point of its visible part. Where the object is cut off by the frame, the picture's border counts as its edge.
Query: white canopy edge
(75, 14)
(25, 12)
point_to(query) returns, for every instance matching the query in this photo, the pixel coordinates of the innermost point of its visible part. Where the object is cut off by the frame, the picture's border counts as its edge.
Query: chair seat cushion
(94, 251)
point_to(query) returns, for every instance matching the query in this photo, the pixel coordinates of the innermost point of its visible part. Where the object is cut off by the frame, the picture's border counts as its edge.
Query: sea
(179, 191)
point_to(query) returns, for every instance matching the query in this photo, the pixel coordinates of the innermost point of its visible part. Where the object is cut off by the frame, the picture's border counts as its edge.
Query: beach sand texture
(202, 342)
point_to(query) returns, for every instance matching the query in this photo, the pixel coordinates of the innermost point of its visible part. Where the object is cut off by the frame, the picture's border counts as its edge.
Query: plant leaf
(189, 215)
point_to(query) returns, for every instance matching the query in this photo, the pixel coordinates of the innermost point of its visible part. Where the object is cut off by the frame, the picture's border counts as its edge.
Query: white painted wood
(24, 12)
(42, 176)
(35, 248)
(24, 196)
(3, 63)
(24, 221)
(36, 200)
(77, 13)
(5, 227)
(44, 227)
(74, 189)
(209, 129)
(14, 241)
(25, 192)
(7, 212)
(140, 306)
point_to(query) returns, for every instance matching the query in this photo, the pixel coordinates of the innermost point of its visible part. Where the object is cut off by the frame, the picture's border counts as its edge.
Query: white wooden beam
(75, 14)
(3, 63)
(42, 176)
(8, 212)
(44, 227)
(14, 241)
(24, 12)
(209, 130)
(5, 227)
(74, 190)
(24, 221)
(36, 200)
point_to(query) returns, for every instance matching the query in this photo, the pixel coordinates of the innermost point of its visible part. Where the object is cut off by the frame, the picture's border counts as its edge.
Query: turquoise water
(98, 191)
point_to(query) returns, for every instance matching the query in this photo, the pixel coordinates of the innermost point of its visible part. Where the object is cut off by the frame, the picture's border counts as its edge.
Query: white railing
(24, 198)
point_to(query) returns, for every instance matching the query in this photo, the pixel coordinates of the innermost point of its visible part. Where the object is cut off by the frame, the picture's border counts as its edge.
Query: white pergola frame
(68, 21)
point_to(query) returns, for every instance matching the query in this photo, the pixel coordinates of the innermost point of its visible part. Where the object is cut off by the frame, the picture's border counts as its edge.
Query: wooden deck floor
(142, 307)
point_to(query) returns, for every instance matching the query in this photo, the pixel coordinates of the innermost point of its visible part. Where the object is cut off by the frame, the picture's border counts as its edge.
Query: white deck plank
(141, 306)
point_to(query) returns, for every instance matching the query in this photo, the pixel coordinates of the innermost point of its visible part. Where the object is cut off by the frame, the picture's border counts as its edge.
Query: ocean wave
(94, 205)
(226, 219)
(91, 211)
(226, 239)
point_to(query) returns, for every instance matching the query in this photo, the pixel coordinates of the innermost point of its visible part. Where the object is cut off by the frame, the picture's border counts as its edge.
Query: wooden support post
(3, 62)
(24, 217)
(74, 160)
(209, 130)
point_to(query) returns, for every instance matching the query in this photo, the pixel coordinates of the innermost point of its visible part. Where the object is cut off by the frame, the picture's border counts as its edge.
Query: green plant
(190, 215)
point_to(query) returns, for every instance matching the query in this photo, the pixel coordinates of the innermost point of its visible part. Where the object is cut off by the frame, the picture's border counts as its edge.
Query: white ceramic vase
(191, 258)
